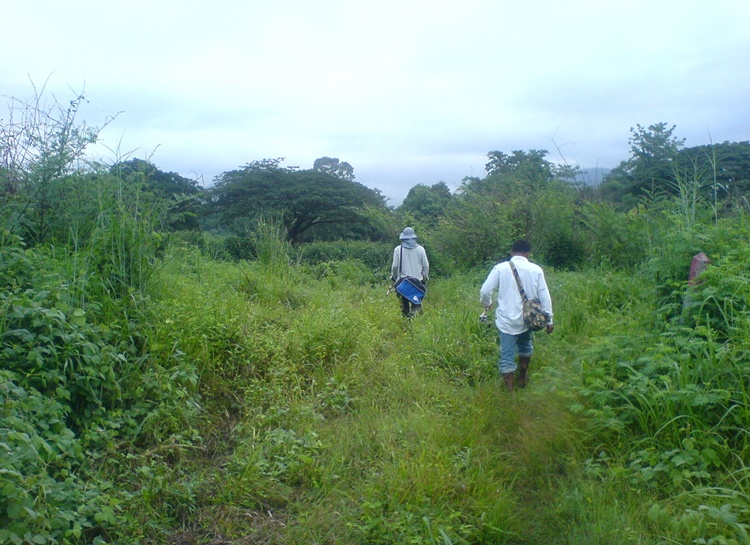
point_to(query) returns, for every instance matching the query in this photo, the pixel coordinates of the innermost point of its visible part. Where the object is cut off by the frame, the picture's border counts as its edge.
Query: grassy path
(344, 423)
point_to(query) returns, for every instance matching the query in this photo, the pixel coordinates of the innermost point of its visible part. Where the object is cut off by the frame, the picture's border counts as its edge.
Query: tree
(300, 199)
(530, 164)
(725, 165)
(427, 203)
(509, 174)
(181, 195)
(42, 143)
(523, 195)
(653, 151)
(334, 167)
(166, 184)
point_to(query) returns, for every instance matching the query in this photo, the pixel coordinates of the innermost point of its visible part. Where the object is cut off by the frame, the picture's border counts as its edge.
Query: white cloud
(407, 91)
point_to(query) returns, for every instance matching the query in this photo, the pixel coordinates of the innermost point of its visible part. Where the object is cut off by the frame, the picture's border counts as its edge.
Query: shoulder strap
(401, 261)
(518, 281)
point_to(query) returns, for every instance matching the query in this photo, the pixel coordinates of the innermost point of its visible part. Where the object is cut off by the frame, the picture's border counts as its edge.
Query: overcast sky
(406, 91)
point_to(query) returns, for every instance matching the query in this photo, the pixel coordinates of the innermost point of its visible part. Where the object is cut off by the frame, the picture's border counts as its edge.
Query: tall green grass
(362, 425)
(275, 401)
(329, 418)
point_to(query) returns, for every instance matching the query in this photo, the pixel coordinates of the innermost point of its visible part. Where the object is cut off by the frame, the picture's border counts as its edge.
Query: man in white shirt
(409, 259)
(515, 336)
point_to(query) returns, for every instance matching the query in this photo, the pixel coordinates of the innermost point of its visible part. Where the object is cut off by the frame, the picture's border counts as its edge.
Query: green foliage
(427, 203)
(720, 300)
(272, 250)
(238, 248)
(375, 256)
(334, 167)
(150, 393)
(712, 177)
(669, 266)
(520, 198)
(70, 386)
(455, 341)
(42, 143)
(325, 409)
(554, 228)
(531, 166)
(278, 454)
(673, 399)
(652, 152)
(15, 265)
(182, 197)
(476, 232)
(683, 387)
(58, 352)
(718, 520)
(587, 304)
(301, 199)
(124, 244)
(43, 498)
(615, 239)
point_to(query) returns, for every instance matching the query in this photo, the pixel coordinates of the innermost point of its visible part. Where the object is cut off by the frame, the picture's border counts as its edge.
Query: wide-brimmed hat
(407, 233)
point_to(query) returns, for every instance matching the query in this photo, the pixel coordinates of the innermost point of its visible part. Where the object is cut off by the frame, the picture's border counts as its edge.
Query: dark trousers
(408, 308)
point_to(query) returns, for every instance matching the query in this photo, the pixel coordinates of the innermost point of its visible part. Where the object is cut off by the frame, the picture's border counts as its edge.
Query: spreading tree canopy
(334, 167)
(181, 194)
(301, 199)
(167, 184)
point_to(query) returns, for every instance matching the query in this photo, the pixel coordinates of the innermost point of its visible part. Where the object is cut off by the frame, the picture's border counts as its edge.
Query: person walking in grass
(515, 336)
(409, 259)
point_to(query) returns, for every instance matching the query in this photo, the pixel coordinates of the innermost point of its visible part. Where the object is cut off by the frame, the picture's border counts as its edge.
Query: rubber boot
(509, 379)
(523, 370)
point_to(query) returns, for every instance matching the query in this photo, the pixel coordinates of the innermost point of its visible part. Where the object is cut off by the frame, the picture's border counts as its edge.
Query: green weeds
(282, 402)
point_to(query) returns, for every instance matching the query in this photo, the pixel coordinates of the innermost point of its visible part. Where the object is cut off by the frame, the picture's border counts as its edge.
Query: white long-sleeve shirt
(509, 312)
(414, 264)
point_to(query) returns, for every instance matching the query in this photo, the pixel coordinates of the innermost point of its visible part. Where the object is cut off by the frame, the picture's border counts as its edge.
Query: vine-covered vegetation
(178, 365)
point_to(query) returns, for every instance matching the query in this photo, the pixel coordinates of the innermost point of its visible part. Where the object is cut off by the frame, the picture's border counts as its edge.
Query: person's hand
(550, 328)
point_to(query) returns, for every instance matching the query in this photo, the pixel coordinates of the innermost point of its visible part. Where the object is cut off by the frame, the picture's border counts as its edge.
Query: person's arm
(490, 285)
(395, 264)
(425, 266)
(544, 297)
(546, 300)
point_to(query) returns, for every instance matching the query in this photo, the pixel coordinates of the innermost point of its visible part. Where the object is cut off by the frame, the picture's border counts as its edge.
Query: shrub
(58, 353)
(43, 498)
(375, 256)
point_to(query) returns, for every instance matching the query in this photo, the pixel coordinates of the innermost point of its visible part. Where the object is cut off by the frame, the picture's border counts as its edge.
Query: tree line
(52, 193)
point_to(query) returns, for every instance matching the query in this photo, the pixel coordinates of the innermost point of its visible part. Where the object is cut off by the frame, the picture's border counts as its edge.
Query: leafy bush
(43, 498)
(616, 239)
(375, 256)
(477, 232)
(15, 265)
(59, 353)
(240, 248)
(720, 300)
